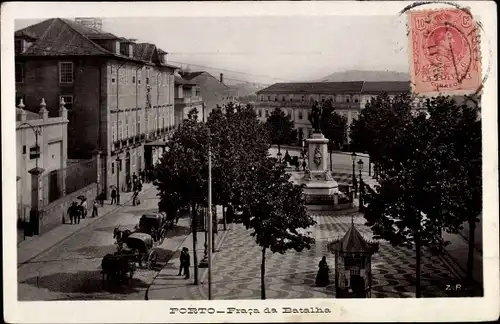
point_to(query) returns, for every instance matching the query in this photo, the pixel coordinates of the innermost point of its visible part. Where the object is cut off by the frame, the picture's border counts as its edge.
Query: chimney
(221, 78)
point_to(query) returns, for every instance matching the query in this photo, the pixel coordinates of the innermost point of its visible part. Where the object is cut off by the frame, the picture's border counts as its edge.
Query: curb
(77, 231)
(146, 295)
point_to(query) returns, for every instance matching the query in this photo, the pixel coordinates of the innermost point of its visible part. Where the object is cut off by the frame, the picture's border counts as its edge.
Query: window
(66, 72)
(276, 98)
(68, 101)
(283, 99)
(139, 77)
(311, 98)
(260, 113)
(19, 46)
(356, 99)
(303, 98)
(347, 99)
(113, 132)
(133, 79)
(323, 98)
(300, 115)
(268, 98)
(148, 71)
(126, 128)
(139, 124)
(120, 130)
(34, 152)
(19, 73)
(113, 167)
(267, 113)
(261, 98)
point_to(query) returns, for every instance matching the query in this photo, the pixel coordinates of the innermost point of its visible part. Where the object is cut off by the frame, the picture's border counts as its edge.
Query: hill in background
(358, 75)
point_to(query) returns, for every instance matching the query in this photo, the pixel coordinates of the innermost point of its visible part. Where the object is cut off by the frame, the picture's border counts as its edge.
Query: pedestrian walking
(73, 212)
(94, 209)
(134, 198)
(83, 208)
(113, 196)
(101, 198)
(304, 165)
(182, 259)
(187, 263)
(129, 183)
(134, 177)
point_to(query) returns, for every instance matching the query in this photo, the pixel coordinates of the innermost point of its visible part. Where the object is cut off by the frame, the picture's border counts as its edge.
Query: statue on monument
(315, 118)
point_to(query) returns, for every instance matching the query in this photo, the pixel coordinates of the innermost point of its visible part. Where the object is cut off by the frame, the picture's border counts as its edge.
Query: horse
(115, 267)
(120, 235)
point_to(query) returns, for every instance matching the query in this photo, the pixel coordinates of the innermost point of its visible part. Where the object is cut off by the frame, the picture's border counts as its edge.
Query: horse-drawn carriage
(155, 225)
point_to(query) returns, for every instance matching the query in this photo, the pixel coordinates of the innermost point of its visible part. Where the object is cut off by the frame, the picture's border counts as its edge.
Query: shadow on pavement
(86, 282)
(178, 231)
(96, 250)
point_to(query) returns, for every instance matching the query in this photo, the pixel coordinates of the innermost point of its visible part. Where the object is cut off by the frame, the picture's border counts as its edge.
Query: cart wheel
(153, 257)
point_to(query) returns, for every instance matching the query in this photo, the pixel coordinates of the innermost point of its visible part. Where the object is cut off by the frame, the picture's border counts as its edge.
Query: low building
(213, 91)
(187, 98)
(41, 141)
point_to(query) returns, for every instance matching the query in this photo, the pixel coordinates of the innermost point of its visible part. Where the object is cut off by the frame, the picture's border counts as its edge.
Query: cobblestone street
(71, 269)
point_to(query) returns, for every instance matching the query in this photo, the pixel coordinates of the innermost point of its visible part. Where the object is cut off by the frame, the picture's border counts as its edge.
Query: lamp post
(38, 131)
(360, 167)
(279, 156)
(353, 156)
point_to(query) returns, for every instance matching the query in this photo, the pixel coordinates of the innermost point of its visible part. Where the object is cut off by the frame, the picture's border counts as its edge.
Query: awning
(157, 144)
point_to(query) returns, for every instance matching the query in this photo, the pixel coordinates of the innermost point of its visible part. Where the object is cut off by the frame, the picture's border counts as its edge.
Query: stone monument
(321, 190)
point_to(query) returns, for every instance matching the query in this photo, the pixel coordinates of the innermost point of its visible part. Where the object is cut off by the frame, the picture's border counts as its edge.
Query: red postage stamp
(444, 52)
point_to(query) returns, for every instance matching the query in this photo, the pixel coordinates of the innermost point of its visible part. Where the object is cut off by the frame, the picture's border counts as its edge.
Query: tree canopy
(333, 126)
(281, 128)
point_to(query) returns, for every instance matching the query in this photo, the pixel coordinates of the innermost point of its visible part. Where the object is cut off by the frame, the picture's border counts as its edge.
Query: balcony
(187, 101)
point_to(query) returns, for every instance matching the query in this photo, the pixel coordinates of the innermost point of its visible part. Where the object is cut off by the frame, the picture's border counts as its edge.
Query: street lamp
(353, 156)
(360, 167)
(279, 157)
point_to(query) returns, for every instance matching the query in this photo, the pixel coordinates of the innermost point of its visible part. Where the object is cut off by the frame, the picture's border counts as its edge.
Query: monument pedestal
(321, 190)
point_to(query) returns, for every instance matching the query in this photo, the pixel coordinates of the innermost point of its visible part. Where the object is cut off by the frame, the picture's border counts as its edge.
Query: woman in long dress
(322, 278)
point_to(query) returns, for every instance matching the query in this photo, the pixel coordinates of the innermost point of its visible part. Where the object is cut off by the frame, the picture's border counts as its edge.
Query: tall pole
(209, 223)
(117, 132)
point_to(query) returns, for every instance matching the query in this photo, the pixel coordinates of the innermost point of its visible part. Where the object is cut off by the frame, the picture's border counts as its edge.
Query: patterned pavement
(236, 273)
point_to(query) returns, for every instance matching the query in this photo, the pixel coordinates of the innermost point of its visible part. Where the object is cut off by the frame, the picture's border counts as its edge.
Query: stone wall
(52, 214)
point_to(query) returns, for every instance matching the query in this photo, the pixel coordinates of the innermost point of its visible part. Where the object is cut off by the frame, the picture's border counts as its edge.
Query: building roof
(180, 81)
(314, 87)
(385, 86)
(63, 37)
(190, 75)
(353, 242)
(368, 87)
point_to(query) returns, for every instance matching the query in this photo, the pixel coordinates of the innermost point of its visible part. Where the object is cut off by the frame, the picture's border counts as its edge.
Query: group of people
(78, 211)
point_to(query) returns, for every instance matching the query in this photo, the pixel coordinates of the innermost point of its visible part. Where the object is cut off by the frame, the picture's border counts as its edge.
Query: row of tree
(243, 177)
(429, 171)
(333, 126)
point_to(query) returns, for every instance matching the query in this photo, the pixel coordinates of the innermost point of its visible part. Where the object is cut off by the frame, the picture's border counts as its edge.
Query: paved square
(236, 272)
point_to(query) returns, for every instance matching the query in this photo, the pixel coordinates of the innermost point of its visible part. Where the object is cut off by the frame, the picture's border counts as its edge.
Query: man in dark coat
(187, 263)
(113, 196)
(182, 259)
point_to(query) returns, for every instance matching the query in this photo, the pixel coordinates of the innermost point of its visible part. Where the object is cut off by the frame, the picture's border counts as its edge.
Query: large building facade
(119, 93)
(349, 98)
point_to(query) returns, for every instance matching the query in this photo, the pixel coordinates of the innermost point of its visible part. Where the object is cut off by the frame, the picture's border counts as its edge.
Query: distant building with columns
(349, 98)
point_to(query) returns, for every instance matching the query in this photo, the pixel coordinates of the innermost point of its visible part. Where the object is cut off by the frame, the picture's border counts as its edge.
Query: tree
(431, 178)
(333, 125)
(457, 148)
(281, 128)
(379, 122)
(394, 211)
(274, 208)
(181, 175)
(238, 138)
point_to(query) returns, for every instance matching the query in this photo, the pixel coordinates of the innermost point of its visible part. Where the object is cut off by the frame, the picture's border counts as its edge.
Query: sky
(269, 49)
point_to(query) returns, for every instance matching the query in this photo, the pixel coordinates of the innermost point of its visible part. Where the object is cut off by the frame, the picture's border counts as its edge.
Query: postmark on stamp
(444, 51)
